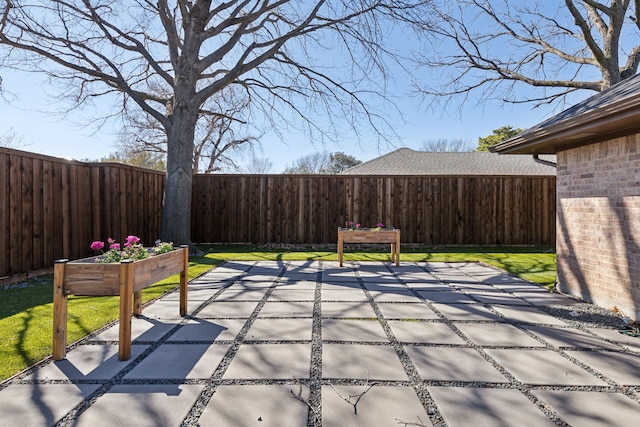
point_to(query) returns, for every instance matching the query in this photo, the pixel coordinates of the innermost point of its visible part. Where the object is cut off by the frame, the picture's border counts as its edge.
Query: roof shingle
(406, 161)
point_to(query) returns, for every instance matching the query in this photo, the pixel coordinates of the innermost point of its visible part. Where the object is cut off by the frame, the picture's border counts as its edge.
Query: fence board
(429, 210)
(15, 214)
(52, 208)
(4, 214)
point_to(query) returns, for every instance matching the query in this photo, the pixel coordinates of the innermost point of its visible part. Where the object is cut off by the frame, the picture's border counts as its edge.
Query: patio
(370, 344)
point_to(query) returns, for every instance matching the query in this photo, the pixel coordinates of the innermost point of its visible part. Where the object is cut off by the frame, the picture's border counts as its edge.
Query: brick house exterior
(597, 143)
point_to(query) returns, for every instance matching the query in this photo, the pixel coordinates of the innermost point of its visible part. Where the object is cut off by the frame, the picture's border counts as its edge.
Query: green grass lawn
(26, 311)
(534, 263)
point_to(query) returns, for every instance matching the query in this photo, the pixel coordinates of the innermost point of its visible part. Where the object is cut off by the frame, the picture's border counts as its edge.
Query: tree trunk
(176, 209)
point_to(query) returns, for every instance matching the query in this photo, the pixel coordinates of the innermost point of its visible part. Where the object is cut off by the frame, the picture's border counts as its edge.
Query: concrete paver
(270, 361)
(374, 362)
(227, 309)
(284, 294)
(299, 343)
(180, 361)
(392, 295)
(497, 298)
(142, 329)
(343, 295)
(141, 405)
(361, 310)
(527, 315)
(631, 343)
(287, 309)
(445, 297)
(623, 368)
(570, 338)
(497, 334)
(543, 367)
(487, 407)
(468, 312)
(452, 364)
(40, 404)
(371, 406)
(241, 295)
(407, 311)
(280, 330)
(256, 405)
(352, 330)
(209, 330)
(424, 332)
(588, 409)
(87, 362)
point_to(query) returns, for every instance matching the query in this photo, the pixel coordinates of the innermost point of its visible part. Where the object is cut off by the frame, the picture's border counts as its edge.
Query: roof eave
(612, 120)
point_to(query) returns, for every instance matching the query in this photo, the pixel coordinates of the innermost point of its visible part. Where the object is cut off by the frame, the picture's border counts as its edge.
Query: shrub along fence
(52, 208)
(432, 210)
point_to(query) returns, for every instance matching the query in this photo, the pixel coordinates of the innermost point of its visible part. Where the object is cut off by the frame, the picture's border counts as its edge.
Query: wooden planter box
(85, 277)
(392, 236)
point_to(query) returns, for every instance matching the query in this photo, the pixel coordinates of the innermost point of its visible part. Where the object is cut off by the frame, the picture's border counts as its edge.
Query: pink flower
(380, 225)
(115, 246)
(97, 245)
(131, 240)
(357, 225)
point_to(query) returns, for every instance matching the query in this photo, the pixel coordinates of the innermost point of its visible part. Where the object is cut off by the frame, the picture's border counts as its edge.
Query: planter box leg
(126, 293)
(340, 248)
(137, 303)
(184, 280)
(60, 307)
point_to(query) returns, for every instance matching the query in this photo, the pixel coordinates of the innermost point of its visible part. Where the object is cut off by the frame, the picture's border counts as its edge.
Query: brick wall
(598, 223)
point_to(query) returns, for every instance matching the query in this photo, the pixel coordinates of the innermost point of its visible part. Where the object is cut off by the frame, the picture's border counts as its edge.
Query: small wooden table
(392, 236)
(127, 279)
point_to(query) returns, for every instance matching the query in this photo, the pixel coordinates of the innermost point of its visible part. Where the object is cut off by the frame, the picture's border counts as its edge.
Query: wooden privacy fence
(432, 210)
(52, 208)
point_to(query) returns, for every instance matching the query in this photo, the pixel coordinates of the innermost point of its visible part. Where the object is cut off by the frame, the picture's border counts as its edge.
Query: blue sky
(70, 137)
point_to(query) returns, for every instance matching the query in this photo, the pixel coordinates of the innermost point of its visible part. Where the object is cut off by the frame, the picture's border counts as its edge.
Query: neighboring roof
(406, 161)
(609, 114)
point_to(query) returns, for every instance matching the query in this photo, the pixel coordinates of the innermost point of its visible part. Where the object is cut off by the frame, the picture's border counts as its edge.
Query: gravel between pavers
(581, 316)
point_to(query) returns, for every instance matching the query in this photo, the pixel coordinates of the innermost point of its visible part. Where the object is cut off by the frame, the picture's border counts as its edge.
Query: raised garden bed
(127, 279)
(385, 235)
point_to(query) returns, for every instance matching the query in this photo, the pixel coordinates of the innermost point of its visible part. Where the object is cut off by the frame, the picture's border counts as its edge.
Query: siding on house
(597, 142)
(598, 223)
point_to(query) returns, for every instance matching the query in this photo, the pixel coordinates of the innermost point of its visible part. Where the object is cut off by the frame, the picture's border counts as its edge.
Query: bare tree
(311, 163)
(10, 139)
(143, 159)
(493, 46)
(191, 50)
(217, 144)
(259, 165)
(446, 145)
(322, 162)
